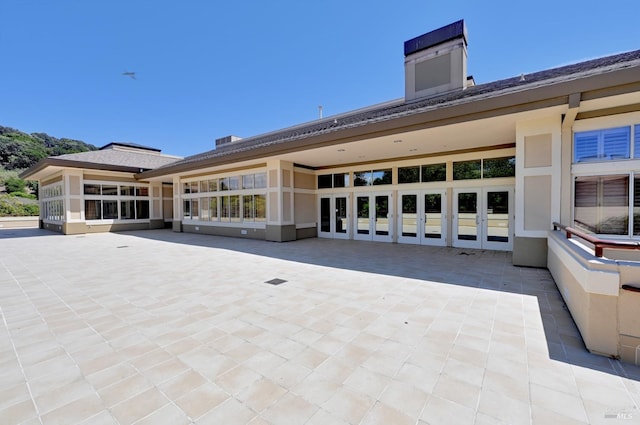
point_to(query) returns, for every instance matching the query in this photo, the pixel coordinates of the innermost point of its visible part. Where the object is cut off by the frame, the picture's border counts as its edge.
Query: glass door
(484, 218)
(373, 217)
(408, 219)
(422, 217)
(334, 218)
(466, 219)
(341, 217)
(497, 219)
(382, 217)
(434, 218)
(363, 220)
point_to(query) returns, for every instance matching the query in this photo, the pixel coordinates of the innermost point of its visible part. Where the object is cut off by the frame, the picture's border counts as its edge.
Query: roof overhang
(44, 168)
(513, 101)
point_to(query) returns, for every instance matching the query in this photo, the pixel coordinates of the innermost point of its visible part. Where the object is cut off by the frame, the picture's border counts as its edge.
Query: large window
(487, 168)
(602, 145)
(424, 173)
(103, 201)
(602, 204)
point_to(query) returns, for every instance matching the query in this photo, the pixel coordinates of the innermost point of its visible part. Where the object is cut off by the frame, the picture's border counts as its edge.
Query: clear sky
(207, 69)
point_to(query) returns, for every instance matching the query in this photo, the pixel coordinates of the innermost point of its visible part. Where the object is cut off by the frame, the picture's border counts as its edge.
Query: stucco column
(177, 205)
(280, 213)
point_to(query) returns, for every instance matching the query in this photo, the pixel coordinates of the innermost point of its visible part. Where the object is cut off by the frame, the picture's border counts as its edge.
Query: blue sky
(207, 69)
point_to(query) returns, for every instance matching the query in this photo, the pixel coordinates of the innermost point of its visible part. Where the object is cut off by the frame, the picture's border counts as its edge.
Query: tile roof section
(122, 158)
(400, 108)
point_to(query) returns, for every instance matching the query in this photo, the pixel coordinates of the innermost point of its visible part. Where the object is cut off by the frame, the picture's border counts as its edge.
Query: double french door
(334, 217)
(373, 217)
(483, 218)
(422, 217)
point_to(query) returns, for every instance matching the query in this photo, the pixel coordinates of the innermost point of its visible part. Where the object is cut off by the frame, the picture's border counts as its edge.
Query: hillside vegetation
(19, 151)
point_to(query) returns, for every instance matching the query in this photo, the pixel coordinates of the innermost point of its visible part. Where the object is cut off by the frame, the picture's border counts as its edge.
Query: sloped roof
(399, 108)
(109, 159)
(122, 158)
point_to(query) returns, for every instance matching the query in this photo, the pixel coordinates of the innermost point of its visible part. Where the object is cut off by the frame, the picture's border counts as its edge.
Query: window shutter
(585, 146)
(616, 143)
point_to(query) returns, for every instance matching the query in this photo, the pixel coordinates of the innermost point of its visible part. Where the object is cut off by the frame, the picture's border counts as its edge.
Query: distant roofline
(131, 145)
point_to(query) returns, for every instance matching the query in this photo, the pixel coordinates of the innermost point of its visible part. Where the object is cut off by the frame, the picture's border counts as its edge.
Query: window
(434, 173)
(110, 209)
(341, 180)
(425, 173)
(601, 204)
(109, 190)
(92, 209)
(362, 178)
(381, 177)
(234, 182)
(127, 210)
(224, 183)
(327, 181)
(247, 181)
(260, 180)
(126, 191)
(499, 167)
(213, 208)
(92, 189)
(409, 174)
(602, 145)
(466, 170)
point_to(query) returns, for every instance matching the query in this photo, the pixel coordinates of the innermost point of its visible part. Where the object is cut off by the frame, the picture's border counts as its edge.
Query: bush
(14, 184)
(23, 195)
(12, 207)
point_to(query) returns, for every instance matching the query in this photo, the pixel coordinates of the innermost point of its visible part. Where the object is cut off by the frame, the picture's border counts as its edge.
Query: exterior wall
(607, 315)
(538, 187)
(590, 291)
(19, 222)
(235, 232)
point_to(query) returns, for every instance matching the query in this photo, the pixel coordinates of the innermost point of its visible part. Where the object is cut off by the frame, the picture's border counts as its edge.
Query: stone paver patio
(157, 327)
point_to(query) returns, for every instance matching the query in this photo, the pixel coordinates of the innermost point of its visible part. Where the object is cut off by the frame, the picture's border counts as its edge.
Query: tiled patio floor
(158, 327)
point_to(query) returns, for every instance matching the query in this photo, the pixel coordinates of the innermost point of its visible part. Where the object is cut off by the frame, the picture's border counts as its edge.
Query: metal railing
(598, 244)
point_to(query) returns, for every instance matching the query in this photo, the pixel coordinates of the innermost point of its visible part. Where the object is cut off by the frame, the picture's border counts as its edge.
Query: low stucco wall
(19, 222)
(607, 316)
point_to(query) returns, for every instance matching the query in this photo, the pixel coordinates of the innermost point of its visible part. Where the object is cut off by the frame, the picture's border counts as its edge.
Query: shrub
(14, 184)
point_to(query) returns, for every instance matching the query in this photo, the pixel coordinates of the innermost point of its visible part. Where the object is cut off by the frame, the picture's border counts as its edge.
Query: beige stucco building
(452, 163)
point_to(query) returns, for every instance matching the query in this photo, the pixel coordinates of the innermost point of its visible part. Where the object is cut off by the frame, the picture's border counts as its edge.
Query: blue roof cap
(435, 37)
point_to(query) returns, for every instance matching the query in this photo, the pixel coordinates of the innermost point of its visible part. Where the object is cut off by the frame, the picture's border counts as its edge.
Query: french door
(483, 218)
(373, 217)
(422, 217)
(334, 217)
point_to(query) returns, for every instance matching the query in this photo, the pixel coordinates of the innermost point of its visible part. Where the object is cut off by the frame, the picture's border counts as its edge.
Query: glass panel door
(362, 216)
(334, 219)
(341, 220)
(325, 217)
(434, 219)
(422, 218)
(409, 218)
(382, 217)
(498, 226)
(467, 218)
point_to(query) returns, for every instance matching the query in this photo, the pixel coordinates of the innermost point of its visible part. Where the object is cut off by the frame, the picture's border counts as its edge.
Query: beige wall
(537, 203)
(305, 208)
(304, 181)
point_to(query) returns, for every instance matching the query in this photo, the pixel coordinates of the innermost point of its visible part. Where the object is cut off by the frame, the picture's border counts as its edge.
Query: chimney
(436, 62)
(226, 140)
